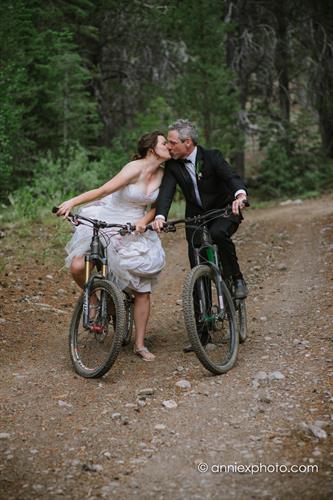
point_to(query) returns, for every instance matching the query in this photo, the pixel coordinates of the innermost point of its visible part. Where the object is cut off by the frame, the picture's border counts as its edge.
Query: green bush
(282, 175)
(294, 163)
(76, 169)
(57, 179)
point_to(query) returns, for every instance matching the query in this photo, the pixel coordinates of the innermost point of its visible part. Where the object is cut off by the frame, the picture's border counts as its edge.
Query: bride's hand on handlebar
(65, 208)
(140, 227)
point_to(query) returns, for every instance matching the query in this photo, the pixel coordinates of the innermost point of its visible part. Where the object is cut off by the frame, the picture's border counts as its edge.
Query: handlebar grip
(55, 210)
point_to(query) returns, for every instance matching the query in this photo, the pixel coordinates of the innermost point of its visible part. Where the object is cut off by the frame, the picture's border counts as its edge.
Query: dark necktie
(196, 188)
(185, 162)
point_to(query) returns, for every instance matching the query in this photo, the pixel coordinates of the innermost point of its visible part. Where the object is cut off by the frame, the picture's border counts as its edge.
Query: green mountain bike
(208, 307)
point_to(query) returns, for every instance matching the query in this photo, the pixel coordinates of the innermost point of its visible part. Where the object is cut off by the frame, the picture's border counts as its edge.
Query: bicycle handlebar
(169, 226)
(75, 219)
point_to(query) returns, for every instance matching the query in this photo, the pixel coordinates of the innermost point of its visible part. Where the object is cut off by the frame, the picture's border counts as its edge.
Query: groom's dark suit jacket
(217, 184)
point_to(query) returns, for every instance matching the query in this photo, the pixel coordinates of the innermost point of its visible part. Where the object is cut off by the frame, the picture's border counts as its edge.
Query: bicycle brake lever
(73, 219)
(127, 229)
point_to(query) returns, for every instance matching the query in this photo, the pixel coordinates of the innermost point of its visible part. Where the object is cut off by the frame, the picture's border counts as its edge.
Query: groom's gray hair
(186, 130)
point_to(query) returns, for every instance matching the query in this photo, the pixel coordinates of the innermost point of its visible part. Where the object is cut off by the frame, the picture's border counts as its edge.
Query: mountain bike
(102, 319)
(208, 308)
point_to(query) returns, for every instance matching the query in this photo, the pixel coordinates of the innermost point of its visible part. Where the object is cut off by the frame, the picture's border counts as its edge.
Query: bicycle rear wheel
(212, 331)
(241, 319)
(94, 349)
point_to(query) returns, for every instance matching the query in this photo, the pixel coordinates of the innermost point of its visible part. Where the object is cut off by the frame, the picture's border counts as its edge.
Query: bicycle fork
(204, 295)
(89, 280)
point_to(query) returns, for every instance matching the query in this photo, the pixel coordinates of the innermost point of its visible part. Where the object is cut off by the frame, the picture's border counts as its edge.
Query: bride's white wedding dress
(134, 260)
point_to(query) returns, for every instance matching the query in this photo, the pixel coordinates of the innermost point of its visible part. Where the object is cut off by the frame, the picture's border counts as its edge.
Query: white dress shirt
(190, 167)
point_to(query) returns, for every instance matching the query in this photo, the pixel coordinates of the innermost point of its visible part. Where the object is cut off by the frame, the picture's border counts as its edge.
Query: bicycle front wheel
(211, 328)
(95, 347)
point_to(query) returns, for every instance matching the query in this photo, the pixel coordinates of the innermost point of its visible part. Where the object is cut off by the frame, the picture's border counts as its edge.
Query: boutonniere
(198, 168)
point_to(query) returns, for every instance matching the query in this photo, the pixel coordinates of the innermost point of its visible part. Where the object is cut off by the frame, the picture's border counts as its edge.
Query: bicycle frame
(97, 257)
(207, 247)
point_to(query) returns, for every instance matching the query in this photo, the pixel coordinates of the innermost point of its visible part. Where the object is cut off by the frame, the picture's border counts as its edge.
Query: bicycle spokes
(95, 345)
(211, 328)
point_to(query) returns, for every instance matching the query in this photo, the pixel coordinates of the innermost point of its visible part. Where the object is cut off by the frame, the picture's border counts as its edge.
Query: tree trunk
(66, 112)
(326, 127)
(238, 157)
(282, 62)
(233, 49)
(323, 76)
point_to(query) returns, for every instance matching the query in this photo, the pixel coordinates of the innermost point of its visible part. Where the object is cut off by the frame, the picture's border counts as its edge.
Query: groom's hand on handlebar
(239, 203)
(158, 224)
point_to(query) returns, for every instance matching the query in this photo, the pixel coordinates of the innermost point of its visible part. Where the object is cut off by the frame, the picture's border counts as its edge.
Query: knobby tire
(241, 318)
(206, 354)
(114, 325)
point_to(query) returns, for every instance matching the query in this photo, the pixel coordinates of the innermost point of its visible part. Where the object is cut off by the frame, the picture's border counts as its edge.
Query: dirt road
(270, 419)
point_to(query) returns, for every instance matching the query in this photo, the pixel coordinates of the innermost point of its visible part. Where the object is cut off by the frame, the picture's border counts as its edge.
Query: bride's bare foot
(144, 353)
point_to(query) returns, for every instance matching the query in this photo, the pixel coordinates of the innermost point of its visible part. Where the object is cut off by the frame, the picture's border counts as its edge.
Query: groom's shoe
(240, 289)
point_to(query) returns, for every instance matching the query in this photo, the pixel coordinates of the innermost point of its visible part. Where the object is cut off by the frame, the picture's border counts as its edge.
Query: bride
(134, 260)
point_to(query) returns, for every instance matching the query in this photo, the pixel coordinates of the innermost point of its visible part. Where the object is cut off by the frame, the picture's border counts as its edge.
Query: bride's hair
(147, 142)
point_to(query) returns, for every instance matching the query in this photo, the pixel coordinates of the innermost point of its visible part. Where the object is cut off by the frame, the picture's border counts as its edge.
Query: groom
(207, 183)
